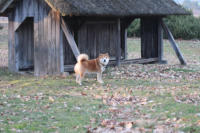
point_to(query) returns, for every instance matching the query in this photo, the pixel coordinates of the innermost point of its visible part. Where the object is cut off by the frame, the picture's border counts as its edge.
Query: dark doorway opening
(25, 45)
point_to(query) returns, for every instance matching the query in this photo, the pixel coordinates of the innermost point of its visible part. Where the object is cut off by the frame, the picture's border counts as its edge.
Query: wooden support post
(160, 43)
(173, 43)
(149, 37)
(70, 38)
(118, 47)
(124, 25)
(126, 46)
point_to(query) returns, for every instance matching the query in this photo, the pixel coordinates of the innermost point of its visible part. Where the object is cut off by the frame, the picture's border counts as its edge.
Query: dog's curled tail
(82, 57)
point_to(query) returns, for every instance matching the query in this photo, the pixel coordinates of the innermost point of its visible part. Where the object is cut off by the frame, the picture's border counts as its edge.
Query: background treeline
(182, 27)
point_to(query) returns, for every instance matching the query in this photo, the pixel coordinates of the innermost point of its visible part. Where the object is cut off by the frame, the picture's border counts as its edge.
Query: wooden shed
(46, 36)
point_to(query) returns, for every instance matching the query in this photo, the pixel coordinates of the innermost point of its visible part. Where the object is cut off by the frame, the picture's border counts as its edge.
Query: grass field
(134, 98)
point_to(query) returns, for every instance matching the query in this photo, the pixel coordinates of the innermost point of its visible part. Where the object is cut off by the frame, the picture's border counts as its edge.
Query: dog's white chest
(103, 69)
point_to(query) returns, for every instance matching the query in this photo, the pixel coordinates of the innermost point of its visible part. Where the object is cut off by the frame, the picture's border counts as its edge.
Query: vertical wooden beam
(118, 47)
(125, 23)
(36, 41)
(160, 41)
(61, 52)
(149, 37)
(173, 43)
(125, 47)
(11, 46)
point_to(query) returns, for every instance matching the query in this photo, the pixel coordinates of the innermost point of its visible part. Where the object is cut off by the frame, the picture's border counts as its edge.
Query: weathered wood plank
(125, 45)
(11, 44)
(118, 44)
(96, 38)
(135, 61)
(173, 43)
(113, 39)
(46, 42)
(61, 52)
(160, 41)
(149, 38)
(70, 38)
(124, 24)
(53, 43)
(36, 41)
(42, 49)
(49, 33)
(59, 59)
(70, 68)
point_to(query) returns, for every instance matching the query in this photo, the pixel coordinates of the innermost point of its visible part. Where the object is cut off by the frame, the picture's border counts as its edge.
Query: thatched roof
(118, 7)
(115, 7)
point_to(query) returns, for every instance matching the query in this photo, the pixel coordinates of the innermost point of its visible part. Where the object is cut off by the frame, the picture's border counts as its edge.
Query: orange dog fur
(84, 65)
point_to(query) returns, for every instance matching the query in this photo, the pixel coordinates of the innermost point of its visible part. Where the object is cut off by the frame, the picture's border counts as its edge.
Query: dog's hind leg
(81, 78)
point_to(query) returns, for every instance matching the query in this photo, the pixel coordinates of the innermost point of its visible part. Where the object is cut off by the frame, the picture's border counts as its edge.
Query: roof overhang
(7, 5)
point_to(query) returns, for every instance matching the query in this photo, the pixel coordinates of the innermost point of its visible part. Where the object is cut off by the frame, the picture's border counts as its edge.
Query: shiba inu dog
(84, 65)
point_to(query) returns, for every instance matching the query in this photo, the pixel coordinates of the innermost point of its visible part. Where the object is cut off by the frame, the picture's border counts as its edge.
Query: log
(70, 38)
(173, 43)
(70, 68)
(135, 61)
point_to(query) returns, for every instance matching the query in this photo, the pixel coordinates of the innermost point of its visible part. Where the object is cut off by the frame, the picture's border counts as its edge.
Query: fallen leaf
(83, 94)
(51, 100)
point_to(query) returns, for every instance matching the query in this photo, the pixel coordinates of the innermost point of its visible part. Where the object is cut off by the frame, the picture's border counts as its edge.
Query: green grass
(26, 105)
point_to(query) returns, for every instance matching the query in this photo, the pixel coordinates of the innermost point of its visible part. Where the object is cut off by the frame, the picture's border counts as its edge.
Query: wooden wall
(149, 37)
(48, 57)
(93, 38)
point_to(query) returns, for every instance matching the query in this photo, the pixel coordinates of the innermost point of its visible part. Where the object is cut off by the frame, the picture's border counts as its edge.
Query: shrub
(184, 27)
(134, 29)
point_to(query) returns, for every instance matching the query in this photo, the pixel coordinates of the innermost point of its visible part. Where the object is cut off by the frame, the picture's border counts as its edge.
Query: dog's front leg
(77, 78)
(99, 78)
